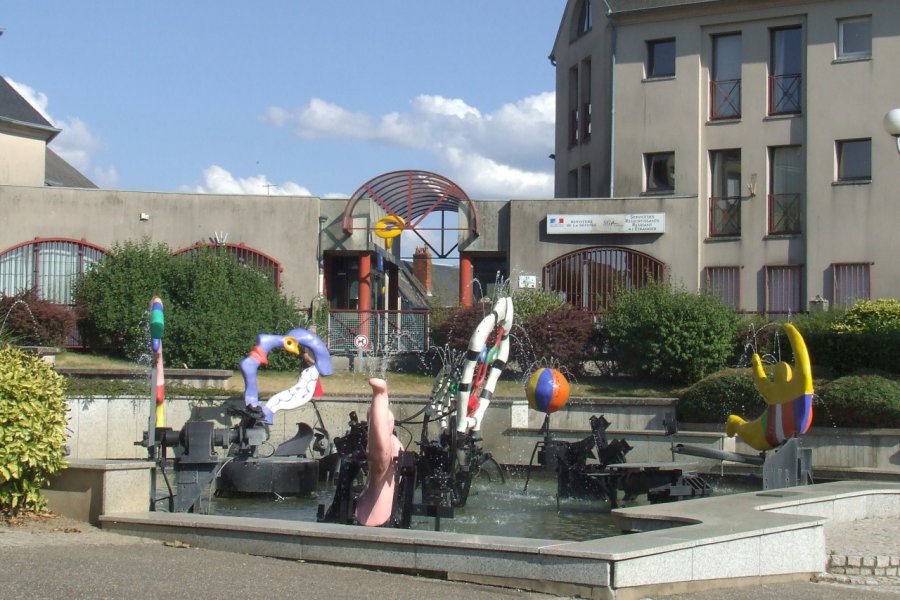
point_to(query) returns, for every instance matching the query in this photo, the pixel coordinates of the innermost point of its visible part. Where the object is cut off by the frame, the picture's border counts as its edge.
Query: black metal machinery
(291, 470)
(603, 479)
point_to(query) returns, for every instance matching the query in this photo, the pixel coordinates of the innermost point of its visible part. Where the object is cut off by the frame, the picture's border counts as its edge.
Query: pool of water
(493, 508)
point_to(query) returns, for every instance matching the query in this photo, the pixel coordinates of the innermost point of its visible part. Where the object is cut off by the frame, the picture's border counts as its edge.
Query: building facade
(721, 144)
(758, 125)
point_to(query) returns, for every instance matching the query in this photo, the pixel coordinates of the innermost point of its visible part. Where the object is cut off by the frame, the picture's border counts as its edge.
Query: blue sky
(291, 96)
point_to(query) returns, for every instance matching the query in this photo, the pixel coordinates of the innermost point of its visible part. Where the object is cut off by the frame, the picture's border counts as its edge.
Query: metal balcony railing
(784, 213)
(785, 94)
(381, 332)
(724, 216)
(725, 99)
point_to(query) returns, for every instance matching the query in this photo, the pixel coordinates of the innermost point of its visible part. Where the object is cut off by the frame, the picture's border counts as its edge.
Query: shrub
(669, 335)
(713, 398)
(860, 400)
(214, 306)
(32, 429)
(560, 338)
(529, 303)
(34, 322)
(218, 308)
(113, 296)
(871, 316)
(845, 353)
(460, 322)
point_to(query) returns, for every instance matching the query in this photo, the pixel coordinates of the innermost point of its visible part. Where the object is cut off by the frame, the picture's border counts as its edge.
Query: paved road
(63, 559)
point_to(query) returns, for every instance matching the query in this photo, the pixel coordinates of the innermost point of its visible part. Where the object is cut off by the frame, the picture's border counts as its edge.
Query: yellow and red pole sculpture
(157, 329)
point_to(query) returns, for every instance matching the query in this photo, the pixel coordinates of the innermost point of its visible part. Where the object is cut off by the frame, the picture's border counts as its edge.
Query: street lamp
(892, 125)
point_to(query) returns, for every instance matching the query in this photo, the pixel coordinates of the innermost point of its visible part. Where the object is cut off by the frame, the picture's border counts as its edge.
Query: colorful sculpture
(789, 396)
(157, 329)
(300, 393)
(469, 410)
(547, 391)
(376, 502)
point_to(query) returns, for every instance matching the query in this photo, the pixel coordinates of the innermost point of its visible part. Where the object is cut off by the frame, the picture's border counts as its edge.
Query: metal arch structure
(413, 196)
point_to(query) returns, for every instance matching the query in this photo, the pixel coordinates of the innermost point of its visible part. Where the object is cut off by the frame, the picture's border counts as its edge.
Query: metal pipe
(717, 454)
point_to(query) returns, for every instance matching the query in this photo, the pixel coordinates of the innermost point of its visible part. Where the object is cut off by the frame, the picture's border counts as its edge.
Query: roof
(59, 173)
(621, 6)
(17, 110)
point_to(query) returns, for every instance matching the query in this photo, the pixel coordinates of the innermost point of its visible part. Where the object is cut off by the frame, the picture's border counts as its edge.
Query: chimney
(422, 267)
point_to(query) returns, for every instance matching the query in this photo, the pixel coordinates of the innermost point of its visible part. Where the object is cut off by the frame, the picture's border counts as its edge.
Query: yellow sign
(389, 227)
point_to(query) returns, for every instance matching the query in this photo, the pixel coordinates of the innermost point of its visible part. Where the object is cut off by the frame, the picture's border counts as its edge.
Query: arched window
(245, 255)
(48, 265)
(588, 278)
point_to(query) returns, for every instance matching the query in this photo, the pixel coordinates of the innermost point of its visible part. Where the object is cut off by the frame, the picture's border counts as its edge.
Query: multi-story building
(759, 124)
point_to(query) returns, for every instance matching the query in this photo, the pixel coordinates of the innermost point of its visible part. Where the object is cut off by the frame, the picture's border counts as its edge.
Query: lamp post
(320, 257)
(892, 125)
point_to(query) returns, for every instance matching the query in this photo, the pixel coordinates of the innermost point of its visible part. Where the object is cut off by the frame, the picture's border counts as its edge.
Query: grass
(341, 383)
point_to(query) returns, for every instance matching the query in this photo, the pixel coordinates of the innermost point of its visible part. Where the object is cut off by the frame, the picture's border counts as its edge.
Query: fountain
(777, 432)
(289, 470)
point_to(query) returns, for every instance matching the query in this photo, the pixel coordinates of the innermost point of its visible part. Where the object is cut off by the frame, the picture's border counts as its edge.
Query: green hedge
(32, 429)
(860, 400)
(713, 398)
(844, 353)
(670, 335)
(214, 306)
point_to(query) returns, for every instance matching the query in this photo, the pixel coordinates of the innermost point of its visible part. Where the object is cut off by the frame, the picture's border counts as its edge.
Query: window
(584, 93)
(580, 103)
(725, 200)
(850, 282)
(573, 106)
(584, 19)
(855, 37)
(788, 180)
(854, 160)
(725, 86)
(724, 283)
(661, 58)
(786, 71)
(50, 266)
(572, 184)
(584, 182)
(660, 172)
(783, 289)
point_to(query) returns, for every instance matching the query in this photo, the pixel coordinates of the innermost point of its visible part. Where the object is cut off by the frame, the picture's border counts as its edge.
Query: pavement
(58, 557)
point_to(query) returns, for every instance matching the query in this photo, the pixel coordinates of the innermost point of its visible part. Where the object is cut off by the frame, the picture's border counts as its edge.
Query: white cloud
(502, 154)
(217, 180)
(105, 178)
(75, 143)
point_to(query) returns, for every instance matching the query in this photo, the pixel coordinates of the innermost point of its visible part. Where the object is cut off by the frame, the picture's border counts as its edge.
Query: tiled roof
(59, 173)
(15, 108)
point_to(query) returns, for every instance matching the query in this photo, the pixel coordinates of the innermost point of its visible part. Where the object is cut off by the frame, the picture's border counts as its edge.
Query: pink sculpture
(376, 503)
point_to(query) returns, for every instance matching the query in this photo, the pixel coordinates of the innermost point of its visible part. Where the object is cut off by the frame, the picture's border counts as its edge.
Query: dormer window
(584, 19)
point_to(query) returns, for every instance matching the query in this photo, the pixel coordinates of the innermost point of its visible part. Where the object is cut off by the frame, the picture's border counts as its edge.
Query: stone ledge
(197, 378)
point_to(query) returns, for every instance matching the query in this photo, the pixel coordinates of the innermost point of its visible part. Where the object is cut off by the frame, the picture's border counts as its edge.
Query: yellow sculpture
(789, 396)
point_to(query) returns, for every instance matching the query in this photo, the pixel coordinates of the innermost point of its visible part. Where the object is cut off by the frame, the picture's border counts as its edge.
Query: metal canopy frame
(413, 196)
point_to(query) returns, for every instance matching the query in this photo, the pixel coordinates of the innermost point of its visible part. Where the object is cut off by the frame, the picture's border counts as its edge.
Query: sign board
(361, 341)
(527, 281)
(619, 223)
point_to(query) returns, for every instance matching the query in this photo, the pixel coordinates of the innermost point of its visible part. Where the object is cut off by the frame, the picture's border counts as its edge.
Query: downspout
(612, 105)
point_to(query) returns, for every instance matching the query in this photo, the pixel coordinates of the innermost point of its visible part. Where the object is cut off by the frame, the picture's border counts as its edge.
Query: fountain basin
(746, 538)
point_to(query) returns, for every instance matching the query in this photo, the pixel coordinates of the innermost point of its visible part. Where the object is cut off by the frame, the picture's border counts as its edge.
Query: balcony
(725, 216)
(784, 213)
(725, 99)
(785, 94)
